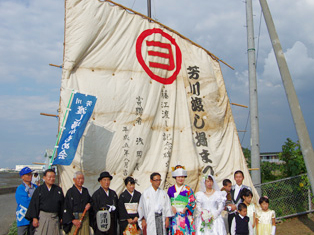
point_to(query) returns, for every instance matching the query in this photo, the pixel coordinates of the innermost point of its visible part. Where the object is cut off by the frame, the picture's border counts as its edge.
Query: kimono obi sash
(180, 202)
(131, 208)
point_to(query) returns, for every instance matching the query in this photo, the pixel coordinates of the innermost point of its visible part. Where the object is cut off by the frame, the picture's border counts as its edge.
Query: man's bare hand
(77, 223)
(87, 207)
(35, 223)
(174, 210)
(233, 207)
(167, 222)
(144, 224)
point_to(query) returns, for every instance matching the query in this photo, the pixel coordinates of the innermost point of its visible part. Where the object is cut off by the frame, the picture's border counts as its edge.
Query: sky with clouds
(31, 37)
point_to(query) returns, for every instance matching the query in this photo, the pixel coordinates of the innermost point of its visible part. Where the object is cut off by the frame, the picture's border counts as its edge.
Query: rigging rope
(133, 4)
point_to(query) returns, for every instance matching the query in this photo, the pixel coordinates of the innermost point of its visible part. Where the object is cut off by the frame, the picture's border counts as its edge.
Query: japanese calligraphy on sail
(161, 99)
(81, 110)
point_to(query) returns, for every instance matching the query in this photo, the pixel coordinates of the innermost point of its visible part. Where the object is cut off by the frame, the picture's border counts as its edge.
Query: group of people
(44, 209)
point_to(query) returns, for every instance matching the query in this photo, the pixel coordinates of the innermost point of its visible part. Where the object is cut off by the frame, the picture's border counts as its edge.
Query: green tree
(269, 171)
(247, 155)
(293, 159)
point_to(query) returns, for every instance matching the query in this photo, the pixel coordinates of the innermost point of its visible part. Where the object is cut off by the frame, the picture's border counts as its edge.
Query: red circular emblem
(160, 52)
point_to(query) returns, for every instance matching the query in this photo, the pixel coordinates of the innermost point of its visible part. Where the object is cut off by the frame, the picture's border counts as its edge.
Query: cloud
(301, 68)
(32, 34)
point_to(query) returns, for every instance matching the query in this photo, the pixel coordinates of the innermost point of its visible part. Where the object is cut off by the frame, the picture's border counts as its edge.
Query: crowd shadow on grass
(308, 221)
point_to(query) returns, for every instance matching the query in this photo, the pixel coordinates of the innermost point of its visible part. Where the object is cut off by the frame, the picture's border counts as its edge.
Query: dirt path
(302, 225)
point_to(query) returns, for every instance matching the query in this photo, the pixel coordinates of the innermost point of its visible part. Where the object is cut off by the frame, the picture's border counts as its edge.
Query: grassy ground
(13, 229)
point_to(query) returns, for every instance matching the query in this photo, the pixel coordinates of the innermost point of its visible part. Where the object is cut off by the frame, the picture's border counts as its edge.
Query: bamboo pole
(240, 105)
(59, 66)
(49, 115)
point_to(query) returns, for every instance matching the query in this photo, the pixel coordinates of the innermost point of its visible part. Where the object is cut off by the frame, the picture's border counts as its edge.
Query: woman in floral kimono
(183, 204)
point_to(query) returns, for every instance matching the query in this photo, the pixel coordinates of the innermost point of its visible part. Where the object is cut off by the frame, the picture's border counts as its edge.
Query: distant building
(272, 157)
(33, 167)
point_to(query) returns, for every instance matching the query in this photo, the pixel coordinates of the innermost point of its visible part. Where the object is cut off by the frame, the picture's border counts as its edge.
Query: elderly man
(104, 199)
(76, 201)
(23, 196)
(154, 208)
(46, 206)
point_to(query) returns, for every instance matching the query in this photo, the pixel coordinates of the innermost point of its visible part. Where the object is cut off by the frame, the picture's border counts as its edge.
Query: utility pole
(255, 146)
(304, 138)
(149, 8)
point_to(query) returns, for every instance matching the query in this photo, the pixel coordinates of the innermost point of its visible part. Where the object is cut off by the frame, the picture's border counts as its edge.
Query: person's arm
(167, 222)
(33, 208)
(251, 231)
(221, 204)
(233, 227)
(190, 207)
(273, 220)
(67, 217)
(21, 197)
(254, 220)
(123, 214)
(256, 224)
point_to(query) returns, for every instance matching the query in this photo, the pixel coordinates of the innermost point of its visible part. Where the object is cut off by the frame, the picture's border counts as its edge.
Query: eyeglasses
(157, 180)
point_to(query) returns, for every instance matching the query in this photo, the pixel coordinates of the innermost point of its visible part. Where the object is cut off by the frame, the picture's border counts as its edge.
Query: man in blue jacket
(23, 196)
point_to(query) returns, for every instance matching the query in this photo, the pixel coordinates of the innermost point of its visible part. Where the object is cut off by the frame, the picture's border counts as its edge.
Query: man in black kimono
(46, 206)
(76, 201)
(127, 207)
(105, 199)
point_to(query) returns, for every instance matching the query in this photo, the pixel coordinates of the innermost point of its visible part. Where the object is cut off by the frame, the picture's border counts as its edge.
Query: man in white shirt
(236, 195)
(154, 208)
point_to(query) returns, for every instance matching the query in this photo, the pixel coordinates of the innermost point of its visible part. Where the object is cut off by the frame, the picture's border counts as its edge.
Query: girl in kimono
(183, 204)
(247, 196)
(210, 202)
(127, 205)
(265, 219)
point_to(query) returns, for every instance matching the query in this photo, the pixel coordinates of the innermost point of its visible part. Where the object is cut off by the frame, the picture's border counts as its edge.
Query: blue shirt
(23, 197)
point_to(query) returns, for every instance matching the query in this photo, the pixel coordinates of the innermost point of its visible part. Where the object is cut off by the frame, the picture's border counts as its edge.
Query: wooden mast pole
(304, 138)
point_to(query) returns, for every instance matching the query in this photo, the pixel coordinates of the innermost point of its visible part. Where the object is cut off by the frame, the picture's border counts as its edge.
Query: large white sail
(161, 100)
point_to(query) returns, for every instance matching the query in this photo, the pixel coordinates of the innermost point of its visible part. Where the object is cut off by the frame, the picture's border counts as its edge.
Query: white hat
(179, 171)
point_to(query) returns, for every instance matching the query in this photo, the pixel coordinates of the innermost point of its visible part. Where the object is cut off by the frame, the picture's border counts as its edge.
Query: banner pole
(61, 129)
